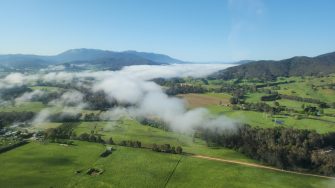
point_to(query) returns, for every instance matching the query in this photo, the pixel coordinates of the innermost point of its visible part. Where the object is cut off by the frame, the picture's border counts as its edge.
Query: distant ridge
(95, 57)
(268, 69)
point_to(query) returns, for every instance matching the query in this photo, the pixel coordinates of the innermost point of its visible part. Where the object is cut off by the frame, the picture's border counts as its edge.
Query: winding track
(257, 166)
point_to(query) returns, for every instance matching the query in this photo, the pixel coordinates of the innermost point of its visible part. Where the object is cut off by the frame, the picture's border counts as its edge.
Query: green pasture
(53, 165)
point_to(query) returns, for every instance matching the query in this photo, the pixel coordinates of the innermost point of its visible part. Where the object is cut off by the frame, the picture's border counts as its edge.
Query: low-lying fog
(131, 86)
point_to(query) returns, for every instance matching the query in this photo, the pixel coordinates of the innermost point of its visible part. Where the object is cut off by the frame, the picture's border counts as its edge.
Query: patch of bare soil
(94, 171)
(198, 100)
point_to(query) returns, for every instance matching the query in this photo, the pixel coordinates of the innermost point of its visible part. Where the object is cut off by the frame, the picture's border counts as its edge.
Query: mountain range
(92, 57)
(269, 69)
(79, 59)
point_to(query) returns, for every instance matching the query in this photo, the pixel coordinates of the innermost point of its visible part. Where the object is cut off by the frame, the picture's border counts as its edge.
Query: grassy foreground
(53, 165)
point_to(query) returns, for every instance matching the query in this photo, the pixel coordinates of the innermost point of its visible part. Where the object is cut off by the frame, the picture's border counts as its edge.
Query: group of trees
(272, 97)
(7, 118)
(274, 84)
(168, 82)
(97, 100)
(155, 123)
(236, 90)
(91, 117)
(282, 147)
(64, 131)
(13, 92)
(65, 117)
(90, 138)
(12, 146)
(311, 110)
(131, 143)
(260, 107)
(166, 148)
(184, 88)
(47, 97)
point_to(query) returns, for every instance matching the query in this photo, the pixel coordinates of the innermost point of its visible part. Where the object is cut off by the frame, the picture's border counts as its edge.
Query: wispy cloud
(132, 86)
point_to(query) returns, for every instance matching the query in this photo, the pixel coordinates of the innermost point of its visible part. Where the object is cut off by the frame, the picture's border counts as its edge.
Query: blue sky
(193, 30)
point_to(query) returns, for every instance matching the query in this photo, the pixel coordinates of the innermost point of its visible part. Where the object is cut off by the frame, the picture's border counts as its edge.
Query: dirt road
(257, 166)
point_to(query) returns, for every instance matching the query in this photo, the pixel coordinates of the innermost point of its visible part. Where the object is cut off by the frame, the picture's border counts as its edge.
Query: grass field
(310, 87)
(258, 118)
(263, 120)
(193, 172)
(296, 105)
(128, 129)
(52, 165)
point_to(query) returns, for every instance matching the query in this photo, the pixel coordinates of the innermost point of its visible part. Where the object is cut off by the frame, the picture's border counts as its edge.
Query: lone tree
(179, 150)
(111, 141)
(99, 139)
(92, 138)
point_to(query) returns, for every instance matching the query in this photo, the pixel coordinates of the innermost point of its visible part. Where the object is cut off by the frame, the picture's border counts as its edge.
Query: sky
(190, 30)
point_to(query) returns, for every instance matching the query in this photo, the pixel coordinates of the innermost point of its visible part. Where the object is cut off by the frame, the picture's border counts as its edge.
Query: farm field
(193, 172)
(310, 87)
(54, 165)
(296, 105)
(46, 165)
(262, 120)
(128, 129)
(203, 100)
(265, 120)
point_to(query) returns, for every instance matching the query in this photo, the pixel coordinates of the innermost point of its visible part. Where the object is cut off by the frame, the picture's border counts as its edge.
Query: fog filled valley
(163, 125)
(111, 95)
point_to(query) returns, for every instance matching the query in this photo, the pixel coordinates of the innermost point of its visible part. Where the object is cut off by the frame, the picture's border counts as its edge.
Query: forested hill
(267, 69)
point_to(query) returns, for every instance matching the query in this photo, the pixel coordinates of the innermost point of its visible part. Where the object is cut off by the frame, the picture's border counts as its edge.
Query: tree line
(183, 89)
(13, 92)
(64, 134)
(286, 148)
(167, 148)
(308, 100)
(260, 107)
(155, 123)
(8, 118)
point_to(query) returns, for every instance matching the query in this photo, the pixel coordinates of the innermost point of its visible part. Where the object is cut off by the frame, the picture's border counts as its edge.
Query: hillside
(100, 58)
(267, 69)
